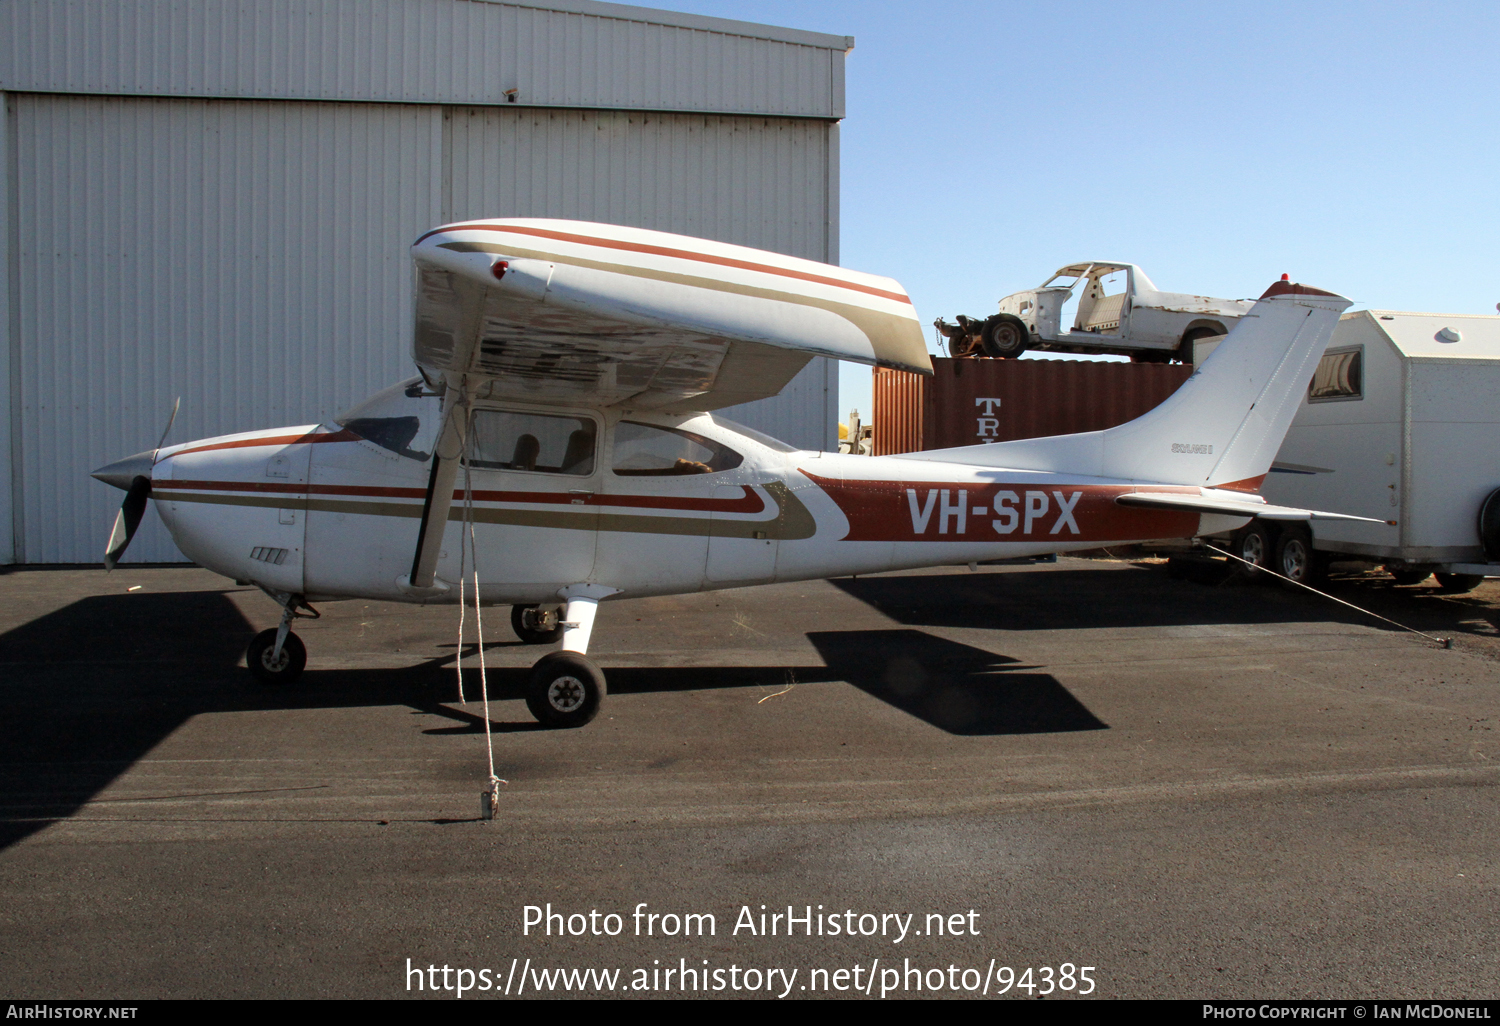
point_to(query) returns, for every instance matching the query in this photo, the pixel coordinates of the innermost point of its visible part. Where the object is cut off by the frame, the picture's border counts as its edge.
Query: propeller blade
(133, 474)
(127, 520)
(168, 429)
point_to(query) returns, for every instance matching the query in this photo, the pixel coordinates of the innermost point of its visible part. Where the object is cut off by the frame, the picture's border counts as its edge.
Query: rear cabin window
(1340, 375)
(535, 442)
(645, 450)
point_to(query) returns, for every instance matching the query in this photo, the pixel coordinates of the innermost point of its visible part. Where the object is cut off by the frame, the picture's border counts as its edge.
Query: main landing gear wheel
(285, 668)
(565, 689)
(535, 625)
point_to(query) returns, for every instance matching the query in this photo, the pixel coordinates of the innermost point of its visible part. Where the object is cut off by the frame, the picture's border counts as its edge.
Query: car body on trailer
(1136, 319)
(564, 414)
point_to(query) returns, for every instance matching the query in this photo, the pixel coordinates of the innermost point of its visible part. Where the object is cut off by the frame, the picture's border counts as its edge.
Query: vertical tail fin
(1221, 428)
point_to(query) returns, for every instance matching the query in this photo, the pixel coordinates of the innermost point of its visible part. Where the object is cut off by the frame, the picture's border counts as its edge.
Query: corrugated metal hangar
(214, 201)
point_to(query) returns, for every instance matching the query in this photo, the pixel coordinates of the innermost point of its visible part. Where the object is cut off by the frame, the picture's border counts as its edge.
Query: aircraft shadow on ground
(955, 687)
(1068, 599)
(93, 687)
(1064, 599)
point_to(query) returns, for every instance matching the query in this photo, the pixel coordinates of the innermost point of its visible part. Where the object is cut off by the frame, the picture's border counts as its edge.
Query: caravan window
(1340, 375)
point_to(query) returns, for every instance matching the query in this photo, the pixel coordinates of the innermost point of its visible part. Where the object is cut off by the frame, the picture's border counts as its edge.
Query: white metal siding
(10, 484)
(250, 257)
(1455, 410)
(419, 51)
(752, 181)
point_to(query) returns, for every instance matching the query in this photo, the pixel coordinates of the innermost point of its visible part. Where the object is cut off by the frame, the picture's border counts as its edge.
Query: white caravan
(1398, 424)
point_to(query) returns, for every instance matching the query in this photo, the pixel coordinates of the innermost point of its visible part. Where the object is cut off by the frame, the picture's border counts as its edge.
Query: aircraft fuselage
(635, 502)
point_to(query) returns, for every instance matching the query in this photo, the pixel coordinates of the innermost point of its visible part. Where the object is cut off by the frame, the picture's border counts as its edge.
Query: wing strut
(447, 453)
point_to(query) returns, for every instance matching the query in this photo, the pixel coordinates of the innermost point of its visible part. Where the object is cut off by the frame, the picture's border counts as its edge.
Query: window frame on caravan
(1359, 386)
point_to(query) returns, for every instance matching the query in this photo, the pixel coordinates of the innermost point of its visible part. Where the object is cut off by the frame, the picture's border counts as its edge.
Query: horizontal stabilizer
(1230, 507)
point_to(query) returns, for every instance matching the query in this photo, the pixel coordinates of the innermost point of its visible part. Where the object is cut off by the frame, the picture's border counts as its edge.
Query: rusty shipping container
(968, 401)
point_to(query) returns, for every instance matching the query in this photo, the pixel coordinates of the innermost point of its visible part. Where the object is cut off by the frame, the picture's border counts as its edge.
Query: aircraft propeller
(133, 476)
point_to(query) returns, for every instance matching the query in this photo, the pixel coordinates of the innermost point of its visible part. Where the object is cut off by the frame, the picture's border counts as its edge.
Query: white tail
(1220, 429)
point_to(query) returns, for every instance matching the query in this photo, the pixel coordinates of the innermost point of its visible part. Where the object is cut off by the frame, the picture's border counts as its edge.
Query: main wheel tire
(1004, 337)
(1297, 560)
(1409, 577)
(530, 624)
(284, 669)
(1254, 545)
(1458, 584)
(565, 689)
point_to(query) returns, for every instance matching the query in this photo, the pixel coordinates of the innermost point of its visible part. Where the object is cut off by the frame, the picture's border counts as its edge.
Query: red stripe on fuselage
(249, 443)
(749, 502)
(907, 511)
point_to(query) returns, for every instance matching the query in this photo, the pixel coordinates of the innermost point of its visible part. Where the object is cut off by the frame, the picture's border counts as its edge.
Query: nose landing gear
(276, 655)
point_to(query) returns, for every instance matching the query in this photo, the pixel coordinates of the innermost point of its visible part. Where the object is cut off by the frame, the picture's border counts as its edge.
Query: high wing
(608, 315)
(1235, 507)
(604, 315)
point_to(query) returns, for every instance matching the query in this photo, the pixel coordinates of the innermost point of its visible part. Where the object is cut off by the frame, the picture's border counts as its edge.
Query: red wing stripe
(680, 254)
(749, 503)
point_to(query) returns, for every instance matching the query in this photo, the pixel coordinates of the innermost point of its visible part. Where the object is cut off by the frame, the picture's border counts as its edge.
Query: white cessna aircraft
(570, 370)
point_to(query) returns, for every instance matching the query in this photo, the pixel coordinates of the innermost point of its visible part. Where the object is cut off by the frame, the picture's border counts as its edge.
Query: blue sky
(1351, 145)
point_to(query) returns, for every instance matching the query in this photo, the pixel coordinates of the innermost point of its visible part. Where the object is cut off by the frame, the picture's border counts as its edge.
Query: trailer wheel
(1459, 584)
(1252, 543)
(1409, 577)
(1004, 337)
(1489, 526)
(1297, 560)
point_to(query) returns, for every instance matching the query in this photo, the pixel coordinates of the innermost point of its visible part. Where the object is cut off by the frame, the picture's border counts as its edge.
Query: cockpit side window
(646, 450)
(539, 443)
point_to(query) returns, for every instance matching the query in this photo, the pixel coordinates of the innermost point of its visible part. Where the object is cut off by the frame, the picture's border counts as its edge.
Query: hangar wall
(239, 237)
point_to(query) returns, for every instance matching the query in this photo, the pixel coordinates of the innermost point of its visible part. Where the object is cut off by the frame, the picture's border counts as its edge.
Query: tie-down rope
(1440, 642)
(468, 555)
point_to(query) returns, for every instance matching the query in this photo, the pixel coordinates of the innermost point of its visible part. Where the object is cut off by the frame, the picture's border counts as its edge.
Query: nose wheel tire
(535, 625)
(565, 689)
(285, 668)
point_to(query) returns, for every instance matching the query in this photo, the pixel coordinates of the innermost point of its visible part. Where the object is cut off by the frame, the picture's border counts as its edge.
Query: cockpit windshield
(402, 419)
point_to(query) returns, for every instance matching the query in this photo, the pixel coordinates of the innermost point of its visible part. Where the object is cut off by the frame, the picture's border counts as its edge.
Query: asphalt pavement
(1198, 790)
